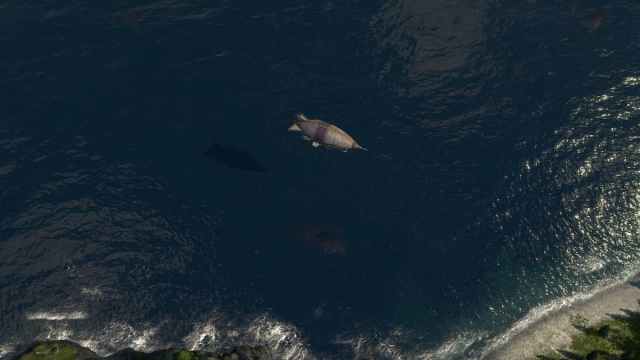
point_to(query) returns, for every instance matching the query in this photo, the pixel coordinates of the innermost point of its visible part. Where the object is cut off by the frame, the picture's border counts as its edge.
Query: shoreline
(555, 330)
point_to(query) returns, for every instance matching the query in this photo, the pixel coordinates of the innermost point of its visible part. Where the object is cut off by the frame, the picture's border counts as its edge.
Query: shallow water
(501, 176)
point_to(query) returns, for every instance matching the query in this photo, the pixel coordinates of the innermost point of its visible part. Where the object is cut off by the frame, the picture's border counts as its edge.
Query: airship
(321, 133)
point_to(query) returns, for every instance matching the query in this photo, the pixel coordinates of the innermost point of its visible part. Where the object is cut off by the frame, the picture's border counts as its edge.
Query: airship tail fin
(301, 117)
(357, 146)
(295, 127)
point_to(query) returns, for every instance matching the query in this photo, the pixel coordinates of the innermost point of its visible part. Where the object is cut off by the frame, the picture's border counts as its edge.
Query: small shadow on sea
(234, 157)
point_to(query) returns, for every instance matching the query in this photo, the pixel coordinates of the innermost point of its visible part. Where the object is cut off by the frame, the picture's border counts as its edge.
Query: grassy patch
(51, 351)
(586, 343)
(186, 355)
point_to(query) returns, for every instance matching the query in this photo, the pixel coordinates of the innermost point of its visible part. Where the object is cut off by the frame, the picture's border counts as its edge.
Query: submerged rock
(66, 350)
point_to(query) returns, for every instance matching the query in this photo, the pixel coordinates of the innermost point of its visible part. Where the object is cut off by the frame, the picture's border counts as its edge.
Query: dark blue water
(502, 171)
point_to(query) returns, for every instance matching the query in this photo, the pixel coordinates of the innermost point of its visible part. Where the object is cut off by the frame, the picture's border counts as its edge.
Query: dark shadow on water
(234, 157)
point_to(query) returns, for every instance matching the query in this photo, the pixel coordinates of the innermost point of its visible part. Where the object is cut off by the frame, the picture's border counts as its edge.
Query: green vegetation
(186, 355)
(51, 351)
(66, 350)
(617, 338)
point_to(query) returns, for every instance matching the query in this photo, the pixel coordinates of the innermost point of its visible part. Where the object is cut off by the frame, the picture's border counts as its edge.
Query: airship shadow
(234, 157)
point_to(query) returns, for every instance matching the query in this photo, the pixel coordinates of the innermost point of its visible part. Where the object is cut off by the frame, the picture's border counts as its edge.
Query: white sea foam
(57, 316)
(393, 346)
(454, 346)
(120, 335)
(284, 339)
(90, 344)
(196, 340)
(59, 333)
(6, 350)
(115, 336)
(287, 342)
(91, 292)
(143, 340)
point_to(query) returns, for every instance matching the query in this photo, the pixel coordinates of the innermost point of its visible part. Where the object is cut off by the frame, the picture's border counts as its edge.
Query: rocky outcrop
(66, 350)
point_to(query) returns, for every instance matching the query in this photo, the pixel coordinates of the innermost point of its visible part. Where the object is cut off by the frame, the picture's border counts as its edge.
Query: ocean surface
(502, 177)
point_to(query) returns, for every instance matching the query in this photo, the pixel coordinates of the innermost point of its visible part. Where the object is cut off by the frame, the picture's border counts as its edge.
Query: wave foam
(284, 339)
(57, 316)
(202, 336)
(456, 345)
(6, 350)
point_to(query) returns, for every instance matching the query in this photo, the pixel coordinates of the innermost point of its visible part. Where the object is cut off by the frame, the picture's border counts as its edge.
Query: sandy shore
(554, 330)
